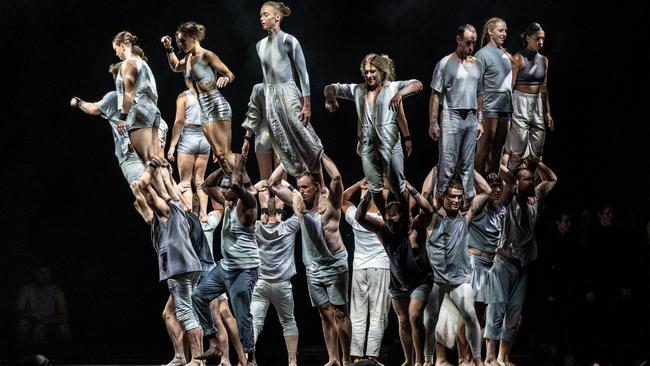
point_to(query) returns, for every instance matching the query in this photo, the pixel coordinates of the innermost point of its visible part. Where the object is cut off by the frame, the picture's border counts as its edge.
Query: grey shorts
(331, 288)
(420, 292)
(263, 140)
(214, 107)
(192, 141)
(143, 114)
(480, 269)
(132, 167)
(497, 104)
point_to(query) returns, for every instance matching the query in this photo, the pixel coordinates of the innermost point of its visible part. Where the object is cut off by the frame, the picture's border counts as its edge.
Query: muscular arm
(215, 62)
(130, 75)
(414, 86)
(347, 196)
(335, 195)
(247, 203)
(89, 108)
(278, 188)
(509, 182)
(549, 179)
(421, 201)
(517, 63)
(478, 203)
(210, 186)
(369, 223)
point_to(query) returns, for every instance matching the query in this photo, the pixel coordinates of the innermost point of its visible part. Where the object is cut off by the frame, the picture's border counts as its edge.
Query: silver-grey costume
(449, 259)
(327, 273)
(192, 141)
(276, 243)
(497, 81)
(484, 235)
(214, 106)
(459, 84)
(178, 262)
(256, 120)
(129, 161)
(527, 131)
(507, 279)
(298, 147)
(381, 146)
(144, 112)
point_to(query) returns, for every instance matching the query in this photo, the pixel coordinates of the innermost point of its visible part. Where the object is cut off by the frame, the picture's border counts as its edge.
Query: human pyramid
(451, 260)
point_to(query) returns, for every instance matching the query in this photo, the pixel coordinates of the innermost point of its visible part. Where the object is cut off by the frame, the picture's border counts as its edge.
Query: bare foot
(210, 353)
(444, 363)
(195, 362)
(406, 363)
(224, 363)
(493, 362)
(332, 363)
(177, 361)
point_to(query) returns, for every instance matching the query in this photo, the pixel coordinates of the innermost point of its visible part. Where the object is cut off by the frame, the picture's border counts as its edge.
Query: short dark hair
(493, 178)
(460, 31)
(455, 184)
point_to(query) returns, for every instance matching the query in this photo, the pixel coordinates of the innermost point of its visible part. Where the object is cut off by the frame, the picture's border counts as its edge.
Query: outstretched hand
(331, 104)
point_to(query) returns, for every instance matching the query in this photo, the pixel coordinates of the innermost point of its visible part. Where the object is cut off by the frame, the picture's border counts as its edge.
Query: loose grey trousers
(370, 302)
(378, 160)
(280, 294)
(457, 148)
(463, 298)
(501, 317)
(527, 131)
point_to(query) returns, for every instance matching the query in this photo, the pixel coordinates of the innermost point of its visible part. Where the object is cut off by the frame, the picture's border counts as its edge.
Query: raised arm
(371, 224)
(147, 190)
(247, 207)
(210, 186)
(509, 182)
(226, 76)
(279, 188)
(545, 100)
(549, 179)
(174, 63)
(478, 203)
(179, 123)
(429, 184)
(347, 196)
(335, 195)
(421, 201)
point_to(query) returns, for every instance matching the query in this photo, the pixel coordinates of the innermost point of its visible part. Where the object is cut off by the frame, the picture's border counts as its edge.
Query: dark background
(66, 203)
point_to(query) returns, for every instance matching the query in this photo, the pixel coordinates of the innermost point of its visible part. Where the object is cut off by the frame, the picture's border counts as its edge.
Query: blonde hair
(279, 6)
(382, 62)
(489, 26)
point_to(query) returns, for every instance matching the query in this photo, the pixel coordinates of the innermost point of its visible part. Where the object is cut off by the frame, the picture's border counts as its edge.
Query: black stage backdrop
(66, 203)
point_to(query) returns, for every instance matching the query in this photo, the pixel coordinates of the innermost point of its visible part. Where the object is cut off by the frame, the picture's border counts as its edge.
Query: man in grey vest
(507, 279)
(236, 273)
(323, 252)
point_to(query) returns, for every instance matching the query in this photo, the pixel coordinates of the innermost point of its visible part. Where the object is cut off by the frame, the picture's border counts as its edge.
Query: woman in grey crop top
(497, 90)
(529, 100)
(288, 109)
(206, 74)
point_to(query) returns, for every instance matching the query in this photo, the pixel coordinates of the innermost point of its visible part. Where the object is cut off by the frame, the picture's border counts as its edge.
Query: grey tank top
(518, 236)
(316, 255)
(533, 71)
(192, 110)
(485, 229)
(171, 240)
(447, 249)
(276, 54)
(238, 244)
(145, 84)
(200, 70)
(405, 274)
